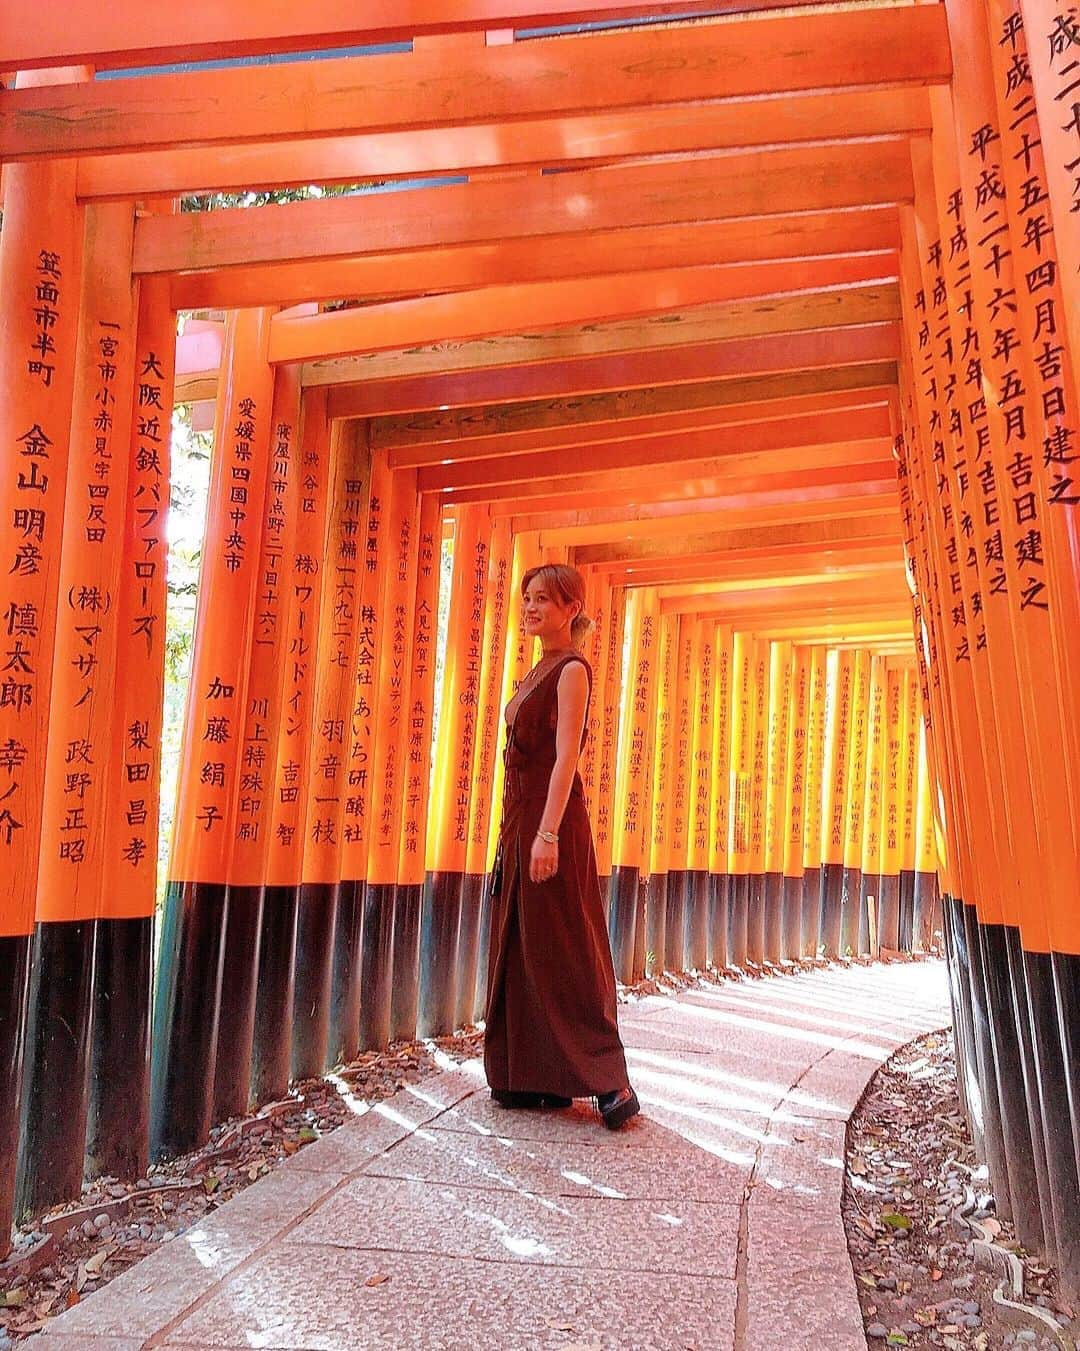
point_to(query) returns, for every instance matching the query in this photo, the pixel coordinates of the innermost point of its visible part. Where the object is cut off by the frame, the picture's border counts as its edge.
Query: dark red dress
(551, 1007)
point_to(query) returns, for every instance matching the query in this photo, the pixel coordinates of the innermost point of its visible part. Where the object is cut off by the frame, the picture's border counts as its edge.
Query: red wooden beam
(431, 88)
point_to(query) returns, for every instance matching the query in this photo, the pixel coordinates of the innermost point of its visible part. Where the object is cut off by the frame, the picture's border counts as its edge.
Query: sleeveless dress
(551, 1005)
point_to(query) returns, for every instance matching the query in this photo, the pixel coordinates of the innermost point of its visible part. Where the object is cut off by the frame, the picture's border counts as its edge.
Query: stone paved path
(713, 1223)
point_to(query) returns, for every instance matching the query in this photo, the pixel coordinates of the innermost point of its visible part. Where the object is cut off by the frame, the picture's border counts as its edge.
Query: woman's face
(545, 616)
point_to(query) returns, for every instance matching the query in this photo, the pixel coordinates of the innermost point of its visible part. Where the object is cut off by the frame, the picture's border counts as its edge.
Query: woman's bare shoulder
(576, 674)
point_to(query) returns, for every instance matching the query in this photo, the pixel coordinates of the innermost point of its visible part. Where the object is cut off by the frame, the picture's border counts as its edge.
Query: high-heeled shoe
(618, 1107)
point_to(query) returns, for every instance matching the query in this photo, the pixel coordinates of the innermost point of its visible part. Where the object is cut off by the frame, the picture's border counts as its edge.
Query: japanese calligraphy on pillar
(701, 787)
(721, 750)
(252, 821)
(133, 801)
(390, 730)
(230, 575)
(605, 779)
(489, 715)
(421, 693)
(336, 683)
(361, 786)
(304, 571)
(84, 658)
(39, 279)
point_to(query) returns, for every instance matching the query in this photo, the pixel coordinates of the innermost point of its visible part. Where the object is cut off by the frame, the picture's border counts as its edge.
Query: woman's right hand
(543, 860)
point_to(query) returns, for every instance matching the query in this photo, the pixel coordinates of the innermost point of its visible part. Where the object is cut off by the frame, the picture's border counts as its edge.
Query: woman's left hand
(543, 860)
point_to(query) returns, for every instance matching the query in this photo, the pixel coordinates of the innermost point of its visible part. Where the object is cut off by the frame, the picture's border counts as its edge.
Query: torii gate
(766, 321)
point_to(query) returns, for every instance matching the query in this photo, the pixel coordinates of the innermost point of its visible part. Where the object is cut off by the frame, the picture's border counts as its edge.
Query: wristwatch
(549, 837)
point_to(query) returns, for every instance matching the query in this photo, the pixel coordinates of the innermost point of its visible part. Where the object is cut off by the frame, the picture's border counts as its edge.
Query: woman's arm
(573, 697)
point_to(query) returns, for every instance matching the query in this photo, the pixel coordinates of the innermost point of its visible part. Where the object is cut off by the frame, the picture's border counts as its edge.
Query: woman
(551, 1028)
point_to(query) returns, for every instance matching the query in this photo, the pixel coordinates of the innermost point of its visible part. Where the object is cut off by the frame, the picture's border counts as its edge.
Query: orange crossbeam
(555, 142)
(499, 426)
(779, 434)
(389, 275)
(476, 84)
(496, 310)
(826, 348)
(675, 531)
(126, 32)
(785, 485)
(681, 329)
(579, 435)
(714, 187)
(622, 545)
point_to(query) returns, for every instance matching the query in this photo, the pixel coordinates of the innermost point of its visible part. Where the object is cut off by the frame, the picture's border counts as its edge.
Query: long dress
(551, 1005)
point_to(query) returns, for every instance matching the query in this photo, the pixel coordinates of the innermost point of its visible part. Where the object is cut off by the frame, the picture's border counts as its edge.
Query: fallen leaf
(858, 1166)
(71, 1298)
(97, 1261)
(895, 1220)
(14, 1299)
(307, 1135)
(211, 1182)
(936, 1274)
(896, 1339)
(379, 1278)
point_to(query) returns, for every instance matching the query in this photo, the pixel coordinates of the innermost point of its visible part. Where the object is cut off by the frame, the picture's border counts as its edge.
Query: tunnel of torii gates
(765, 321)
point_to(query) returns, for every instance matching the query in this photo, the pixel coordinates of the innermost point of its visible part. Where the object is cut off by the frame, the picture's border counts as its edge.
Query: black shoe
(505, 1097)
(617, 1108)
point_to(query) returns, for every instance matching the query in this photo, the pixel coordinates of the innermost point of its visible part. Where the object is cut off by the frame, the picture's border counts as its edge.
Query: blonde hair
(569, 586)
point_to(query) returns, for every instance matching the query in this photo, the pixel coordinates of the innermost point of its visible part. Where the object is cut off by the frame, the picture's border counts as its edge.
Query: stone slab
(158, 1289)
(317, 1299)
(799, 1283)
(658, 1167)
(674, 1236)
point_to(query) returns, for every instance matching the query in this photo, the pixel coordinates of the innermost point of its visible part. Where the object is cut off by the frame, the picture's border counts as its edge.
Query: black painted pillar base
(483, 953)
(236, 1018)
(719, 899)
(117, 1136)
(960, 994)
(403, 1003)
(774, 917)
(869, 902)
(1009, 1071)
(439, 913)
(906, 925)
(1020, 1013)
(57, 1068)
(472, 894)
(186, 1003)
(271, 1049)
(697, 920)
(639, 929)
(737, 915)
(983, 1045)
(832, 908)
(675, 921)
(14, 984)
(656, 923)
(813, 899)
(926, 910)
(622, 920)
(315, 943)
(1058, 1120)
(791, 908)
(342, 1022)
(852, 910)
(377, 966)
(888, 913)
(755, 919)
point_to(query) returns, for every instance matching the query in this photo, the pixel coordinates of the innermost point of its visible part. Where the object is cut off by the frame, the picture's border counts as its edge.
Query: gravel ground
(911, 1169)
(115, 1224)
